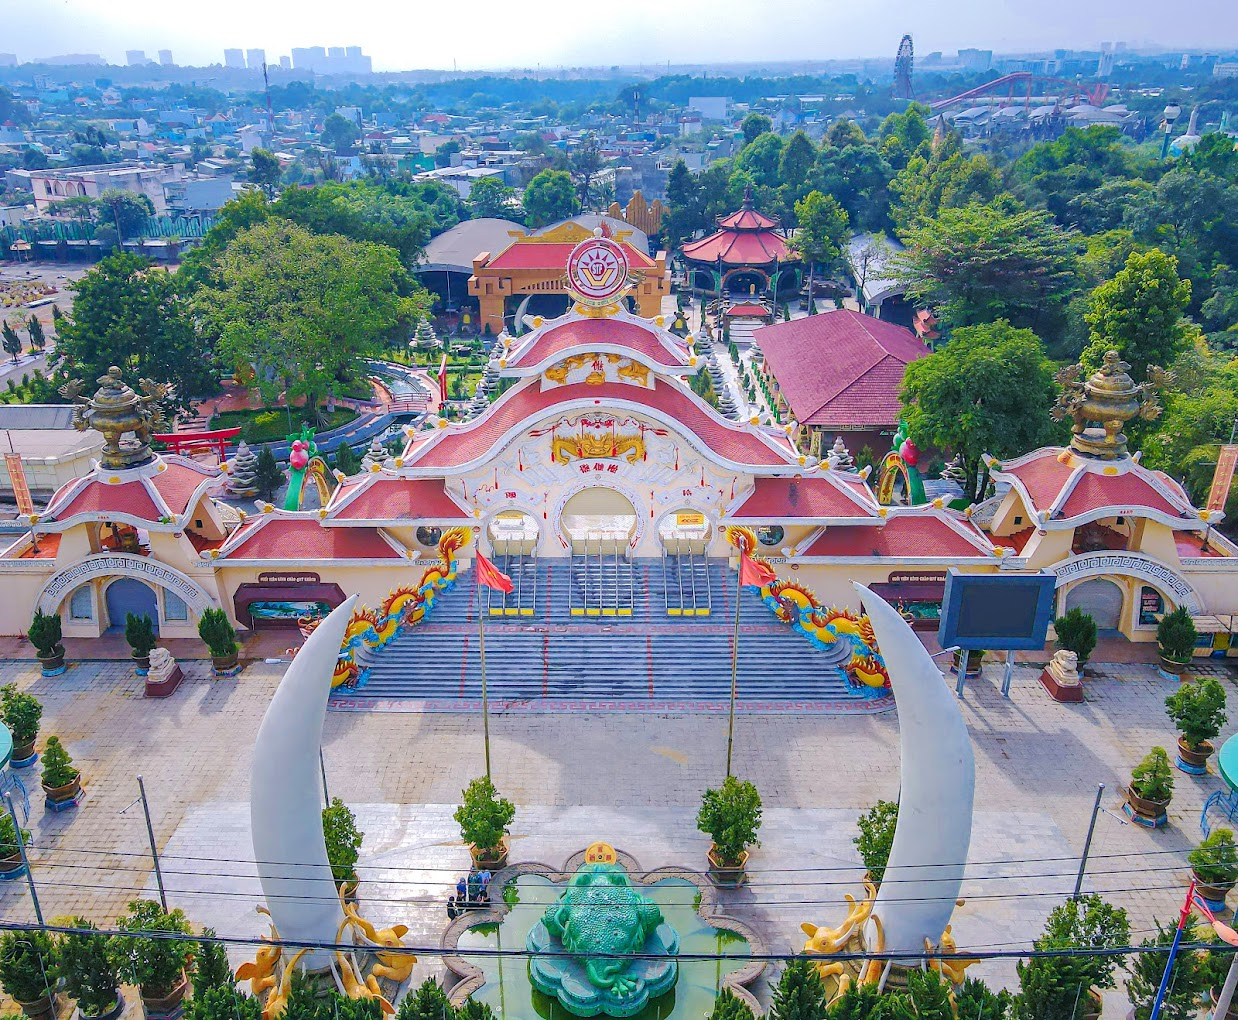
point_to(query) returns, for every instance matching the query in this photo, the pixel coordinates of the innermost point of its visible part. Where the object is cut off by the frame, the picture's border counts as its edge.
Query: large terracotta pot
(66, 792)
(53, 665)
(25, 750)
(1174, 666)
(1194, 758)
(1213, 895)
(485, 860)
(729, 874)
(141, 663)
(1151, 812)
(163, 1005)
(42, 1008)
(10, 863)
(224, 664)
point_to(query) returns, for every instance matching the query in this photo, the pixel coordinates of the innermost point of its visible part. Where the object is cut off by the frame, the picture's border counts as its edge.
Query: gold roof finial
(1101, 405)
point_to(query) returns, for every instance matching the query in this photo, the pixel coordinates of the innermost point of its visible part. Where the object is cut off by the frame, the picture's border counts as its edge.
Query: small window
(1018, 520)
(1121, 521)
(82, 604)
(198, 525)
(771, 534)
(174, 608)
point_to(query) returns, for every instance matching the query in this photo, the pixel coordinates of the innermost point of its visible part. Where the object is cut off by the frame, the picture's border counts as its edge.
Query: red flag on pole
(490, 575)
(755, 573)
(442, 380)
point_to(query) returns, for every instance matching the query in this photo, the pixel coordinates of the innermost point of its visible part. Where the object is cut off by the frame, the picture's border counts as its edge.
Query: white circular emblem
(597, 270)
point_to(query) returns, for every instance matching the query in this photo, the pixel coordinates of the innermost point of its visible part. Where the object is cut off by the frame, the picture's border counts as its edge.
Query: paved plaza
(635, 780)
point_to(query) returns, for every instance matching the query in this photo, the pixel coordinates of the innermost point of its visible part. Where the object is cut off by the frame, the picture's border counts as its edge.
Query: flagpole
(481, 647)
(1173, 952)
(730, 725)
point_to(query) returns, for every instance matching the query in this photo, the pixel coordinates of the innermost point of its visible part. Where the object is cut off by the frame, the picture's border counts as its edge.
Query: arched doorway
(513, 532)
(598, 518)
(684, 530)
(129, 595)
(1100, 598)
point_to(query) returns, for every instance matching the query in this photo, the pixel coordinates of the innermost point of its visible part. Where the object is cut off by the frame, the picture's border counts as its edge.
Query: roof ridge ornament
(126, 419)
(599, 275)
(1103, 403)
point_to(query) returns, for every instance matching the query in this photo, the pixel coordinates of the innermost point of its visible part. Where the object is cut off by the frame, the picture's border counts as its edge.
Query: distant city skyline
(492, 34)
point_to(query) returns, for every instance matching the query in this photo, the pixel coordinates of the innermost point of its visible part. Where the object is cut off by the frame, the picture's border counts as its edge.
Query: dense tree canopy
(979, 263)
(301, 309)
(491, 197)
(549, 197)
(989, 390)
(128, 313)
(264, 171)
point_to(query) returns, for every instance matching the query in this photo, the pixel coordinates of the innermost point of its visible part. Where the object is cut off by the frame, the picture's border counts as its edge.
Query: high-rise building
(234, 58)
(335, 52)
(254, 59)
(285, 63)
(976, 60)
(309, 58)
(331, 60)
(8, 59)
(165, 58)
(135, 57)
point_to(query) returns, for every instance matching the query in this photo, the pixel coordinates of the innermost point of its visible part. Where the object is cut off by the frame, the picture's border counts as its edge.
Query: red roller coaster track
(1094, 94)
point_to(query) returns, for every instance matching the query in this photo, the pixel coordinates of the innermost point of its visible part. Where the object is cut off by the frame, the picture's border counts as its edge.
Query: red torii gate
(194, 442)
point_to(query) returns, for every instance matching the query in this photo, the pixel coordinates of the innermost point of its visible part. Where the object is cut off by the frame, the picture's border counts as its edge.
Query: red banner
(1223, 477)
(442, 382)
(17, 478)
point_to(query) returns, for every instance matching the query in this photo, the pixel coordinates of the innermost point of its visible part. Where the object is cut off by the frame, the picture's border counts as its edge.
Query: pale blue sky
(401, 34)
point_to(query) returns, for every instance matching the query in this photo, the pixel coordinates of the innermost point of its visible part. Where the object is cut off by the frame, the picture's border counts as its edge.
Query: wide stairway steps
(660, 630)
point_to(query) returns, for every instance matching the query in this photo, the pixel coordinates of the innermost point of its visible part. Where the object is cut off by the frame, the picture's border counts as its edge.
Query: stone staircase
(662, 631)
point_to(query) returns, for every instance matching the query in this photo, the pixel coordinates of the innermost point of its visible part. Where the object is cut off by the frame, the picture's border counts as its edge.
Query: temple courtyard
(632, 780)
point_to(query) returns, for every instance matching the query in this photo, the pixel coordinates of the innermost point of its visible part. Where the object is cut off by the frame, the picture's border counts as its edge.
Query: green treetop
(549, 197)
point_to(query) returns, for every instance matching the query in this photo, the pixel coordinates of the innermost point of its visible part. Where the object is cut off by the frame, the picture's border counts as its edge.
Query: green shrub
(153, 962)
(1152, 778)
(211, 969)
(876, 837)
(44, 633)
(8, 836)
(800, 994)
(86, 963)
(429, 1002)
(728, 1006)
(216, 630)
(140, 633)
(27, 964)
(1215, 860)
(483, 816)
(1198, 710)
(58, 767)
(22, 713)
(343, 838)
(731, 817)
(1176, 635)
(219, 1002)
(1187, 981)
(1076, 632)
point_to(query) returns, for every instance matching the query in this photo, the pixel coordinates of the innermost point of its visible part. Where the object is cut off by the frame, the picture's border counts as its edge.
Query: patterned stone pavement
(635, 780)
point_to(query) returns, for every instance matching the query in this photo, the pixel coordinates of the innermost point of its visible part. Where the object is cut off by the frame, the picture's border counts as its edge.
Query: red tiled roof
(1016, 541)
(552, 255)
(912, 535)
(1043, 478)
(390, 498)
(284, 538)
(747, 219)
(1093, 491)
(735, 443)
(130, 498)
(640, 339)
(773, 498)
(176, 485)
(840, 368)
(737, 248)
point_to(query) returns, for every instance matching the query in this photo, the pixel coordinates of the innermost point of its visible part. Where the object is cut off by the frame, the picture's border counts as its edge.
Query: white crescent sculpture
(938, 777)
(285, 795)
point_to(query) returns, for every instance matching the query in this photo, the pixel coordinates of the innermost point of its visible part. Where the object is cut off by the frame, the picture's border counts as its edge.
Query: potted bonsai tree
(153, 962)
(10, 849)
(483, 817)
(975, 659)
(217, 631)
(343, 839)
(27, 971)
(44, 633)
(1198, 710)
(1215, 866)
(61, 781)
(1175, 636)
(1151, 789)
(22, 713)
(1050, 985)
(731, 816)
(140, 633)
(1188, 980)
(1076, 632)
(876, 838)
(86, 962)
